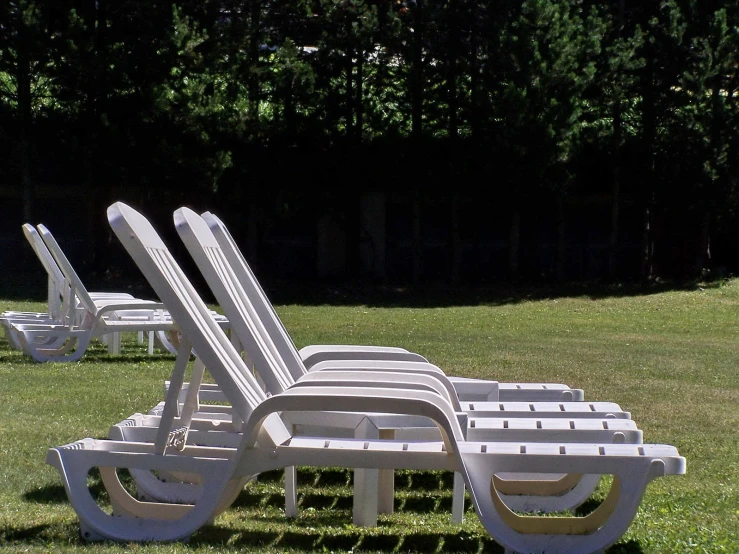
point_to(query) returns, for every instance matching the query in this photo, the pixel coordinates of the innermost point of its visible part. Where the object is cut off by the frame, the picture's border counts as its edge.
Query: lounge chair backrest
(192, 315)
(245, 321)
(78, 289)
(58, 290)
(263, 306)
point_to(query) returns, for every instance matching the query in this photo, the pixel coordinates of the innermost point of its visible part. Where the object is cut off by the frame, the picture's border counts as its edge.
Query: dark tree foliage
(562, 139)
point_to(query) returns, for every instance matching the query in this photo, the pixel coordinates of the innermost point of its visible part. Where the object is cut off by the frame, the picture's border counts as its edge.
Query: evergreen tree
(30, 32)
(707, 116)
(548, 55)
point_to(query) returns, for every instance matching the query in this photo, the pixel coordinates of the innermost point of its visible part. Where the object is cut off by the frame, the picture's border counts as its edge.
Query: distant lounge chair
(85, 318)
(61, 304)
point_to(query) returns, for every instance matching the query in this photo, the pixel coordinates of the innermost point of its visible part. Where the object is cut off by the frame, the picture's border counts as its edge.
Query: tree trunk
(456, 241)
(561, 247)
(647, 263)
(23, 78)
(452, 54)
(514, 245)
(475, 96)
(417, 244)
(95, 106)
(349, 94)
(703, 260)
(615, 195)
(359, 122)
(616, 172)
(253, 85)
(649, 117)
(417, 71)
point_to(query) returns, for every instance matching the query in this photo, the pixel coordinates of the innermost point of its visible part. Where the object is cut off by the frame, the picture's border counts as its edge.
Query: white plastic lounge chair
(59, 298)
(247, 323)
(268, 445)
(466, 389)
(571, 430)
(67, 340)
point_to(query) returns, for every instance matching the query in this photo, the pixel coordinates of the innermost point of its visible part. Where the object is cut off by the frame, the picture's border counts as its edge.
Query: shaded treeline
(565, 139)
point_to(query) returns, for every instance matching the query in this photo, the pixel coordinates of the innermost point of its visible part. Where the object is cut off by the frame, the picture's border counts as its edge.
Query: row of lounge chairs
(76, 316)
(518, 448)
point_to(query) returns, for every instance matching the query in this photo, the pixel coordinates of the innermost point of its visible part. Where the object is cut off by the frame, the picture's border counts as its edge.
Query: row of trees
(535, 103)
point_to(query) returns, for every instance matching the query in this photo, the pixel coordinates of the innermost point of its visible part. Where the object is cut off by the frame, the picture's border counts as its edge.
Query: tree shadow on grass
(439, 296)
(32, 287)
(130, 357)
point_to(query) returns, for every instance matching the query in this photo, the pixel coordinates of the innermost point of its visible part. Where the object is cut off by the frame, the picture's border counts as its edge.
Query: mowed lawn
(669, 357)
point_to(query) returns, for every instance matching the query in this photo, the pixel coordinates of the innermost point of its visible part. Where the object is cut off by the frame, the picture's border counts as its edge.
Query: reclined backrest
(265, 309)
(77, 287)
(58, 289)
(193, 317)
(244, 319)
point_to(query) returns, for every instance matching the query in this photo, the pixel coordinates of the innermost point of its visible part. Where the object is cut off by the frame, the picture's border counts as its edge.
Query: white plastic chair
(58, 292)
(86, 318)
(504, 425)
(267, 444)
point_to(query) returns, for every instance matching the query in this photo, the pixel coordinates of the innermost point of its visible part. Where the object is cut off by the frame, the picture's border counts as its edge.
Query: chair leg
(114, 343)
(291, 493)
(386, 482)
(458, 498)
(364, 510)
(366, 482)
(386, 491)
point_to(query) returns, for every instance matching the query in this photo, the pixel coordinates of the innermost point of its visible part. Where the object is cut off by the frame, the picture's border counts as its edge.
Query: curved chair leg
(152, 488)
(548, 494)
(579, 489)
(126, 505)
(160, 522)
(167, 340)
(64, 354)
(560, 535)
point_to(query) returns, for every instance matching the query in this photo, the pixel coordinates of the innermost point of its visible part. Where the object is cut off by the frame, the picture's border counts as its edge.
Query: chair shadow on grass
(327, 527)
(50, 494)
(55, 494)
(352, 539)
(11, 534)
(313, 536)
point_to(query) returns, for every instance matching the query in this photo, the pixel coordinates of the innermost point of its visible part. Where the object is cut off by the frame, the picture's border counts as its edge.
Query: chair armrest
(143, 306)
(362, 399)
(314, 354)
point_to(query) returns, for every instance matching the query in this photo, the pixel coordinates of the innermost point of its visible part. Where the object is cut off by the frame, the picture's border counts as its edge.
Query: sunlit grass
(669, 358)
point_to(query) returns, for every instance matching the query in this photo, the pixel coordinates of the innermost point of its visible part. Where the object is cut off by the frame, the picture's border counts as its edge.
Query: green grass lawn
(669, 357)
